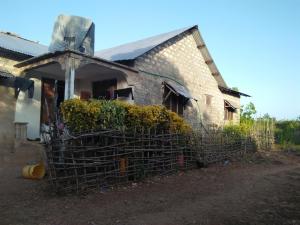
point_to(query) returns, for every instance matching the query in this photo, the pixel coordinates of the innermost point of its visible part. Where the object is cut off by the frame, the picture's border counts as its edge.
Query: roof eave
(58, 53)
(232, 92)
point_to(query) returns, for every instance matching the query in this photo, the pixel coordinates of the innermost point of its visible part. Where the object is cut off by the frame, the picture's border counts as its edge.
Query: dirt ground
(263, 189)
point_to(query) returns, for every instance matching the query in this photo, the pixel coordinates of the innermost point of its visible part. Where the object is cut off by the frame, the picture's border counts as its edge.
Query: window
(124, 93)
(208, 100)
(229, 110)
(228, 114)
(175, 96)
(173, 102)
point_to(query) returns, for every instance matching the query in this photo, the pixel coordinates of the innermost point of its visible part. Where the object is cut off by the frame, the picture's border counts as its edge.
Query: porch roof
(50, 58)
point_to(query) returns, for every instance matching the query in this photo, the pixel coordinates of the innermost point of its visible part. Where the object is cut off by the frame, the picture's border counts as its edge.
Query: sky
(254, 43)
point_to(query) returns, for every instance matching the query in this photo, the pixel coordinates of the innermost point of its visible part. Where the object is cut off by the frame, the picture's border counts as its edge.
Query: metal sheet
(17, 44)
(73, 32)
(134, 49)
(231, 104)
(178, 89)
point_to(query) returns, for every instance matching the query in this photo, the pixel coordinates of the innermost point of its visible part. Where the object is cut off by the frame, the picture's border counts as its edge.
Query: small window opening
(229, 110)
(208, 100)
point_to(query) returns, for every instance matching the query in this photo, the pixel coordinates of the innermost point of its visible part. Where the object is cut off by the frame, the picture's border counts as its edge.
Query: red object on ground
(181, 160)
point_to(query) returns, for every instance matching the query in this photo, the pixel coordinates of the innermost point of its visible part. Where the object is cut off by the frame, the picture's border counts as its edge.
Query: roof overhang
(177, 89)
(207, 57)
(19, 45)
(230, 105)
(232, 92)
(49, 58)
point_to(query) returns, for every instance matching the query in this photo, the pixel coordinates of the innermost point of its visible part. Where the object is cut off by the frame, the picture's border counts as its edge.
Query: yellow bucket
(36, 171)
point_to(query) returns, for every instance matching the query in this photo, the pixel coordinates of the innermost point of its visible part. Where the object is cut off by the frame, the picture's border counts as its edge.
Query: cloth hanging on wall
(23, 84)
(18, 83)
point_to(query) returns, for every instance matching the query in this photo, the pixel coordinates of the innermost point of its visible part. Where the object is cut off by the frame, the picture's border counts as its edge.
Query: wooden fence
(98, 160)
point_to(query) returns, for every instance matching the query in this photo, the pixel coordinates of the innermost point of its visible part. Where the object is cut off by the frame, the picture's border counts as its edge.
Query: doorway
(51, 99)
(104, 89)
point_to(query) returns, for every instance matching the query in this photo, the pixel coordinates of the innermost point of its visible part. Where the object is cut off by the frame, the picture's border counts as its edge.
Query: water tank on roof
(73, 32)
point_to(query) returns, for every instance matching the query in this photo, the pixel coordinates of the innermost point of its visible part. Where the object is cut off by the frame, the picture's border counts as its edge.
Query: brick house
(174, 69)
(177, 70)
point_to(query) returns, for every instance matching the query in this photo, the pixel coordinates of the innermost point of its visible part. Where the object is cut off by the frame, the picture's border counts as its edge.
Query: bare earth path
(266, 193)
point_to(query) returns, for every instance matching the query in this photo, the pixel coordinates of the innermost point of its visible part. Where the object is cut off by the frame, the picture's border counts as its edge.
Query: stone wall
(180, 59)
(7, 105)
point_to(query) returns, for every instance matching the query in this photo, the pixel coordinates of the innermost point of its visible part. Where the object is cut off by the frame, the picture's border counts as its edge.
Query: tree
(248, 112)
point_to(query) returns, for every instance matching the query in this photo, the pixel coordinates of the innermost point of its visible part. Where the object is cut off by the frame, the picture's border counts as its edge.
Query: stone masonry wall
(7, 105)
(181, 60)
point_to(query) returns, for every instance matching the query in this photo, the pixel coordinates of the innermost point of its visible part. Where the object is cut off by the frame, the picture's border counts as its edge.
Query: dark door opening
(104, 89)
(50, 101)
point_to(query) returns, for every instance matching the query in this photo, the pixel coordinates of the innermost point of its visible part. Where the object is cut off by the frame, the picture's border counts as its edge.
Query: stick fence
(98, 160)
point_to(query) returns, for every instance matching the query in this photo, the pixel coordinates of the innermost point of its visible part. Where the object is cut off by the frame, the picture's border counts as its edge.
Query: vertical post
(67, 82)
(69, 79)
(72, 81)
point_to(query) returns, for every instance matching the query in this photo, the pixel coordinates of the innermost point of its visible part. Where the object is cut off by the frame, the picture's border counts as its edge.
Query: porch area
(64, 75)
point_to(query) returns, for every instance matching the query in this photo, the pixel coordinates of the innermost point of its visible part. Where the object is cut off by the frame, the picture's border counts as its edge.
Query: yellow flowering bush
(81, 115)
(96, 114)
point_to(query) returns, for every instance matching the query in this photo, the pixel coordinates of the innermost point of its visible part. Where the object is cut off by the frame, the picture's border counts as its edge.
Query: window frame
(174, 102)
(228, 112)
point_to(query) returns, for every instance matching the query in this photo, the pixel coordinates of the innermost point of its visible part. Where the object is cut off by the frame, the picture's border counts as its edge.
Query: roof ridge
(130, 42)
(15, 43)
(12, 34)
(132, 50)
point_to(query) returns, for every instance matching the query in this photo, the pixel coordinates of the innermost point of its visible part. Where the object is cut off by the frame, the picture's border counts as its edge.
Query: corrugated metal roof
(231, 104)
(232, 92)
(21, 45)
(135, 49)
(178, 89)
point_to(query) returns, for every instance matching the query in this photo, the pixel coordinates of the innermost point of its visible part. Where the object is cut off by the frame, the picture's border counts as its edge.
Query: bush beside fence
(120, 142)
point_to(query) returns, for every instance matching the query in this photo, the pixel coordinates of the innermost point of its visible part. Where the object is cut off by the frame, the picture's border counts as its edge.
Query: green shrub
(234, 131)
(81, 115)
(288, 132)
(101, 114)
(112, 115)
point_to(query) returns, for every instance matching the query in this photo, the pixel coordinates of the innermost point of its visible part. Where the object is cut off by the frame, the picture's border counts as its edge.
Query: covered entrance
(69, 74)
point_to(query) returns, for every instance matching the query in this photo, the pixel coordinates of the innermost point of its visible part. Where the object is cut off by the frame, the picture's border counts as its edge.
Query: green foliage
(233, 131)
(112, 115)
(81, 115)
(248, 112)
(288, 132)
(101, 114)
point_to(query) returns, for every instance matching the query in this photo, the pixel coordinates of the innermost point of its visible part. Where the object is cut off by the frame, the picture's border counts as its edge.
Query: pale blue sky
(255, 44)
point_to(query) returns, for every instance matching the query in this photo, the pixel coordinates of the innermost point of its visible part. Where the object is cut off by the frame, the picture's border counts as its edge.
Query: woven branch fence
(98, 160)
